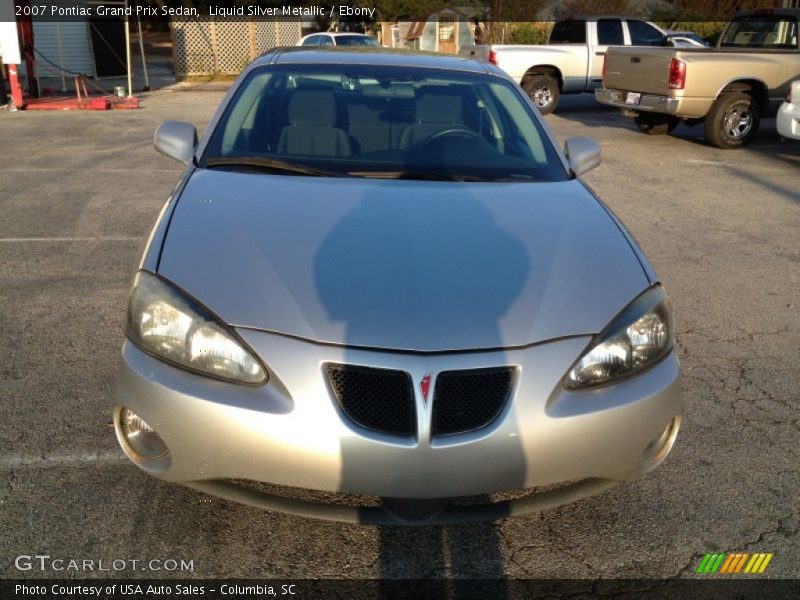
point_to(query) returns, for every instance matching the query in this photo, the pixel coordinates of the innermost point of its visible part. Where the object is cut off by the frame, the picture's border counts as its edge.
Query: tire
(732, 121)
(656, 123)
(543, 90)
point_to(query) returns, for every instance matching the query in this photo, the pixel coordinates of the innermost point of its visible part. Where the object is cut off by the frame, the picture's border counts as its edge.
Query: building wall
(76, 51)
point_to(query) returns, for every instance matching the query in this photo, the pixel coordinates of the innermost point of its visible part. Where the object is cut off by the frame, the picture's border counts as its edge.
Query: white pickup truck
(572, 60)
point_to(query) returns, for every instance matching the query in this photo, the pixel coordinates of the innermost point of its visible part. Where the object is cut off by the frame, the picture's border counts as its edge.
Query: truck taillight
(677, 74)
(493, 57)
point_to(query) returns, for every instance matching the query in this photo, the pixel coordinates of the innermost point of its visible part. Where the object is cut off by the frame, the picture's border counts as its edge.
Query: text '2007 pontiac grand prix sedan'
(380, 293)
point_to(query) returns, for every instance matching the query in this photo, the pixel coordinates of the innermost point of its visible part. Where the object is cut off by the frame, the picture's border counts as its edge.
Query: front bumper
(289, 432)
(788, 120)
(647, 102)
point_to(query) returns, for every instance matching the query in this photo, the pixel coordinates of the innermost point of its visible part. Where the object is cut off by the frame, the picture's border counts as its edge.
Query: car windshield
(384, 122)
(355, 40)
(762, 32)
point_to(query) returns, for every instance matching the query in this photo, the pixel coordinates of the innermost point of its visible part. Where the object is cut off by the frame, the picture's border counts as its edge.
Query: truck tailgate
(644, 70)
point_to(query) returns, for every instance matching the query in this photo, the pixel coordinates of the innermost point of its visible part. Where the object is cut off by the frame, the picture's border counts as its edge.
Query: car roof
(769, 12)
(366, 55)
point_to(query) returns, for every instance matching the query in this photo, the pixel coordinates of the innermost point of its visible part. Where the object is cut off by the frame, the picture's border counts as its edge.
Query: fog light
(660, 446)
(140, 437)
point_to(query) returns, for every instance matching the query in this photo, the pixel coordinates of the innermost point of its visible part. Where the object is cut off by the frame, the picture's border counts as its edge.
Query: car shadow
(393, 262)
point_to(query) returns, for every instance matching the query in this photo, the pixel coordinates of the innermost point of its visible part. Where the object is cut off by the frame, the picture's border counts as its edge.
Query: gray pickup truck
(729, 87)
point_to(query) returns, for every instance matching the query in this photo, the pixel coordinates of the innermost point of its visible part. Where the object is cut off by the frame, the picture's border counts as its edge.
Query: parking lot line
(110, 238)
(15, 461)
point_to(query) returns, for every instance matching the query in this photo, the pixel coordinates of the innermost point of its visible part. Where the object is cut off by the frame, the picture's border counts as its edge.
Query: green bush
(527, 33)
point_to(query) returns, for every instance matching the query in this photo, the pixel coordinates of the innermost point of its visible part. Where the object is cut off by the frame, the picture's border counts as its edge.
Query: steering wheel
(450, 132)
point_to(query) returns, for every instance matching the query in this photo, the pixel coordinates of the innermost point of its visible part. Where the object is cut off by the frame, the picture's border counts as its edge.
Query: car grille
(377, 399)
(470, 399)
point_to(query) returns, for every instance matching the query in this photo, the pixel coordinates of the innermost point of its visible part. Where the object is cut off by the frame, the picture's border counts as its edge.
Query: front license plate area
(633, 98)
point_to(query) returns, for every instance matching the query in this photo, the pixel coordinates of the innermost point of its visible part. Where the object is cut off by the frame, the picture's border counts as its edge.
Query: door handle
(636, 59)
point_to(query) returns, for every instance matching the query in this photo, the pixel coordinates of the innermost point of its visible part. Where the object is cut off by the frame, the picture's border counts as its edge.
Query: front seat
(311, 131)
(436, 110)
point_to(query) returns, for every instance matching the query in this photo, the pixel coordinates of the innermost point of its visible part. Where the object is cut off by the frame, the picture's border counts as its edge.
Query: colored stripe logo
(732, 563)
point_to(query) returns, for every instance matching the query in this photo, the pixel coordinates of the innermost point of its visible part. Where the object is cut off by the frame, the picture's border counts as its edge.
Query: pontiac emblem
(425, 386)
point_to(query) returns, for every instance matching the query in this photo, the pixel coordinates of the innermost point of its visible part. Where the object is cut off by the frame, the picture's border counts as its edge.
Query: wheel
(732, 121)
(543, 90)
(655, 123)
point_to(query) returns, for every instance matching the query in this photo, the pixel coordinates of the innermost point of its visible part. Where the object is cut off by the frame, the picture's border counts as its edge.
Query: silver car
(381, 293)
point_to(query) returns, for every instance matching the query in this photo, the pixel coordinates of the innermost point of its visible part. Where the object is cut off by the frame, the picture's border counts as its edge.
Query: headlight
(164, 322)
(637, 338)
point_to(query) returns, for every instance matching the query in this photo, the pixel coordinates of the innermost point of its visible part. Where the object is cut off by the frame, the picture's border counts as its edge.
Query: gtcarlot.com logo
(45, 562)
(734, 563)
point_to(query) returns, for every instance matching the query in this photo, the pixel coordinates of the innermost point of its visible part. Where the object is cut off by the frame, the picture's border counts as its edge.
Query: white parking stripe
(110, 238)
(15, 461)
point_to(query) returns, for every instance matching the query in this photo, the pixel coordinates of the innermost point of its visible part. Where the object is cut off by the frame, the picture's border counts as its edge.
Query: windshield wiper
(268, 164)
(421, 175)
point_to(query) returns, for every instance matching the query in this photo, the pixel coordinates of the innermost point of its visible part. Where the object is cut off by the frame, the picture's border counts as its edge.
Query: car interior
(313, 117)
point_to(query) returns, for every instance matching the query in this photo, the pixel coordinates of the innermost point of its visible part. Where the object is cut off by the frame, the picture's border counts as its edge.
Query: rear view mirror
(583, 154)
(176, 139)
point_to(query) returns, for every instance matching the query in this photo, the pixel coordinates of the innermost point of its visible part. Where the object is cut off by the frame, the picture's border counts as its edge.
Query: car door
(608, 32)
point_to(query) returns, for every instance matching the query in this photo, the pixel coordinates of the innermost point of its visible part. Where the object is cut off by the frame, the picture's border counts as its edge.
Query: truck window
(761, 32)
(644, 34)
(609, 32)
(568, 32)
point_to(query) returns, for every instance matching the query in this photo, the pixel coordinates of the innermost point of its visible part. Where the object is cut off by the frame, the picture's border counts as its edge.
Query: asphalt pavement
(79, 192)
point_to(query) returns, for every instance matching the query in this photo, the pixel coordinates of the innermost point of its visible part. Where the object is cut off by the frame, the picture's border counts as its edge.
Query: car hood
(400, 264)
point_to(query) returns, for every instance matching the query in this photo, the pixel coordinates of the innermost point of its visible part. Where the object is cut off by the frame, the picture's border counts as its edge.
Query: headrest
(440, 106)
(312, 107)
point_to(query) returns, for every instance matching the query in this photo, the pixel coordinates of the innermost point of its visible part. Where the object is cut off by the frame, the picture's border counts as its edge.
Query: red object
(493, 57)
(677, 74)
(72, 103)
(425, 386)
(16, 88)
(99, 104)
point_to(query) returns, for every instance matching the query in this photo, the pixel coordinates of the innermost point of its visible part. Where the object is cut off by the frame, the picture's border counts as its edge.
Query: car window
(568, 32)
(609, 32)
(644, 34)
(311, 41)
(761, 32)
(355, 40)
(386, 121)
(326, 40)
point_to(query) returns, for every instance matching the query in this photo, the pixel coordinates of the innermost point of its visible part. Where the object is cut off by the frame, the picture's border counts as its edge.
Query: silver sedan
(381, 293)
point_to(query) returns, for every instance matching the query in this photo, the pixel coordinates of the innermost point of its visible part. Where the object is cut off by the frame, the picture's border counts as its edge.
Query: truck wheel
(732, 121)
(656, 123)
(543, 90)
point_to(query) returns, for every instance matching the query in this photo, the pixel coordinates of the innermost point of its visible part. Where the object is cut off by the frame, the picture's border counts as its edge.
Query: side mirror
(583, 154)
(177, 140)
